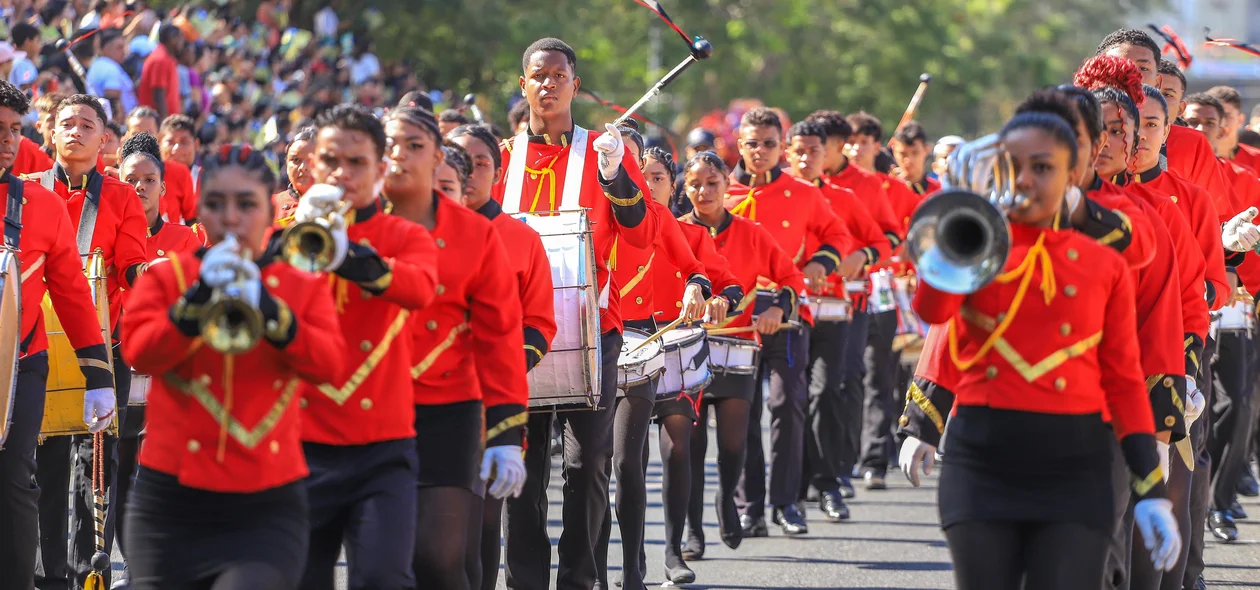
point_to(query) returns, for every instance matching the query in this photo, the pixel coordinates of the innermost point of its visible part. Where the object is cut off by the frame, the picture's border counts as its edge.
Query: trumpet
(960, 238)
(230, 323)
(309, 245)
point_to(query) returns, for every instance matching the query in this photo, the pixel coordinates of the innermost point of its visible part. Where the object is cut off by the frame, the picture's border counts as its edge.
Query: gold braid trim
(925, 404)
(1142, 486)
(507, 424)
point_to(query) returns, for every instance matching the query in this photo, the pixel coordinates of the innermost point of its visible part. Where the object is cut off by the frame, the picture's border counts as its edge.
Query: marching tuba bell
(959, 238)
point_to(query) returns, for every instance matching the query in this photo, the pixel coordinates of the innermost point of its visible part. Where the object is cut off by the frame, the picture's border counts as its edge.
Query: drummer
(47, 251)
(833, 402)
(909, 149)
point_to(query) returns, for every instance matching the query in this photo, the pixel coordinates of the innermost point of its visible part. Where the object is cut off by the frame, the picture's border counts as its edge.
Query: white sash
(515, 184)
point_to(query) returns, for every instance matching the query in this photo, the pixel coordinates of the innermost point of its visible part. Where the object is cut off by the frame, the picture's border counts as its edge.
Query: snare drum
(10, 336)
(641, 366)
(883, 296)
(568, 377)
(830, 309)
(139, 394)
(733, 356)
(1237, 317)
(686, 363)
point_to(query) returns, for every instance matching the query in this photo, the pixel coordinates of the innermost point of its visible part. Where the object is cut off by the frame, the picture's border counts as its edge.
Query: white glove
(218, 266)
(1195, 403)
(98, 408)
(1155, 520)
(336, 224)
(1162, 449)
(916, 453)
(506, 466)
(319, 200)
(1240, 234)
(611, 149)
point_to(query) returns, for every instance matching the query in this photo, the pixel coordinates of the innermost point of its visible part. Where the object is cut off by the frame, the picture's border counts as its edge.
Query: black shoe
(790, 520)
(728, 517)
(846, 487)
(753, 527)
(694, 549)
(1236, 511)
(875, 481)
(677, 572)
(1222, 526)
(833, 507)
(1247, 485)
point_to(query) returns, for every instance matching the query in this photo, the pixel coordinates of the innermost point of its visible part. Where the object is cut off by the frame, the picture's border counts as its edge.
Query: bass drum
(10, 336)
(63, 404)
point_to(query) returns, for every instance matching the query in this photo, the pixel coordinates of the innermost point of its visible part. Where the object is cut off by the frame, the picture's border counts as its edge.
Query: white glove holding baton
(505, 465)
(611, 149)
(916, 454)
(98, 408)
(1155, 520)
(1240, 234)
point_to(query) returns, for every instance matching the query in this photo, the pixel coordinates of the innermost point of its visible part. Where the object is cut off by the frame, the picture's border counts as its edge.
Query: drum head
(631, 340)
(10, 301)
(682, 337)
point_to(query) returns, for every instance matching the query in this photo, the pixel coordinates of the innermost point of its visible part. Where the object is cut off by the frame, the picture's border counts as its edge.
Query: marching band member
(830, 447)
(468, 370)
(358, 434)
(998, 530)
(611, 186)
(753, 253)
(452, 174)
(49, 263)
(107, 216)
(178, 138)
(909, 149)
(218, 500)
(1228, 146)
(297, 165)
(141, 167)
(529, 263)
(791, 209)
(676, 416)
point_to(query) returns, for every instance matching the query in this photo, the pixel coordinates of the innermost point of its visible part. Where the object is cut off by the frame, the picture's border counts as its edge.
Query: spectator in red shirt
(159, 80)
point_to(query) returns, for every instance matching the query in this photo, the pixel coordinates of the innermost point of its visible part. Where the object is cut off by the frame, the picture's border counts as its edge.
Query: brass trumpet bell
(230, 325)
(308, 246)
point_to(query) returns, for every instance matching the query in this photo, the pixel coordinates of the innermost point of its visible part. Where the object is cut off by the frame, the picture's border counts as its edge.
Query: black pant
(879, 408)
(65, 465)
(19, 496)
(1231, 417)
(832, 406)
(128, 459)
(784, 357)
(365, 497)
(1120, 548)
(997, 555)
(1201, 479)
(587, 451)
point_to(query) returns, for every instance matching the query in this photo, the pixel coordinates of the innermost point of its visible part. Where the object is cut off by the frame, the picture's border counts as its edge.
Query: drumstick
(746, 329)
(657, 335)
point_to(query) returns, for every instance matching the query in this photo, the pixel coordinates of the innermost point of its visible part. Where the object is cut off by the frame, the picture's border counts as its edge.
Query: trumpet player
(106, 216)
(50, 264)
(358, 430)
(218, 498)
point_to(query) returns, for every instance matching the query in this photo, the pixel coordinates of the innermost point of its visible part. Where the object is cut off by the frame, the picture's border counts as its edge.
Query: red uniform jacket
(121, 230)
(870, 189)
(753, 254)
(1190, 157)
(468, 342)
(229, 423)
(180, 201)
(1074, 354)
(285, 202)
(49, 263)
(165, 238)
(902, 199)
(616, 209)
(31, 158)
(1132, 235)
(529, 262)
(367, 402)
(1247, 189)
(631, 267)
(668, 283)
(1201, 214)
(1247, 156)
(860, 225)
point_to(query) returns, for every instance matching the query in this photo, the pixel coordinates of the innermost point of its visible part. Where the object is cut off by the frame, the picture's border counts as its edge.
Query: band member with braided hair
(49, 264)
(468, 370)
(218, 500)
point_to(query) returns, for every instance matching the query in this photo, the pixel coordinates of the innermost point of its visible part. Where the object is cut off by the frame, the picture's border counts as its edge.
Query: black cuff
(628, 204)
(1233, 258)
(1106, 226)
(536, 347)
(706, 288)
(505, 425)
(364, 267)
(894, 240)
(95, 366)
(1168, 395)
(827, 256)
(927, 408)
(1144, 469)
(134, 271)
(787, 300)
(279, 325)
(1209, 292)
(872, 255)
(1194, 354)
(187, 310)
(733, 294)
